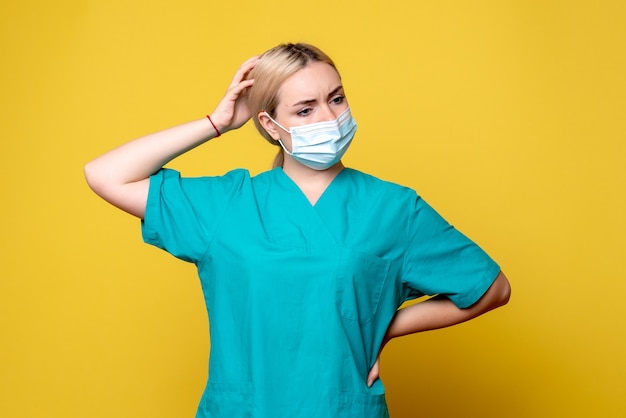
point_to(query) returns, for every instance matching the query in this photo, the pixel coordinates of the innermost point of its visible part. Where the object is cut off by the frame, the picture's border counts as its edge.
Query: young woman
(303, 267)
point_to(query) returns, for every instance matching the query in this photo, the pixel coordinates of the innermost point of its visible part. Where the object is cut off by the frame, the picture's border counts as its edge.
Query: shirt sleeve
(182, 214)
(440, 260)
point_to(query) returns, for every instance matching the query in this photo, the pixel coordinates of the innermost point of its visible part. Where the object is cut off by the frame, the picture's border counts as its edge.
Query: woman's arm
(121, 176)
(440, 312)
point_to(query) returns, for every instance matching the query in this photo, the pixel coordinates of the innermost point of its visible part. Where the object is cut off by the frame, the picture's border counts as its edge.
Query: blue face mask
(320, 145)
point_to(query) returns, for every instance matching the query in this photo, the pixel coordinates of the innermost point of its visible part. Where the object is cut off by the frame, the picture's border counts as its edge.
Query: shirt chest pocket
(360, 282)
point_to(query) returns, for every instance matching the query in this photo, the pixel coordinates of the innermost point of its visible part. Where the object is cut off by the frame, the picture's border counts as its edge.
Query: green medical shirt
(299, 296)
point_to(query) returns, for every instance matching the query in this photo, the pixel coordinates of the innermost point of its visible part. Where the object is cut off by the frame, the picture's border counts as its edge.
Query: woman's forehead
(316, 80)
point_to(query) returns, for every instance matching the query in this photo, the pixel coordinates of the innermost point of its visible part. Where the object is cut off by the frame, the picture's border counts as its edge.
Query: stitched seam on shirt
(407, 240)
(218, 224)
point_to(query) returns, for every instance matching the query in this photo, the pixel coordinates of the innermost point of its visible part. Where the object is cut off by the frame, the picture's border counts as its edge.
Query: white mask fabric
(320, 145)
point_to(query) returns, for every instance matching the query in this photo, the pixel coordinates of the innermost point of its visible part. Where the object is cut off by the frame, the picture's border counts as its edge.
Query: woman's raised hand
(121, 175)
(232, 112)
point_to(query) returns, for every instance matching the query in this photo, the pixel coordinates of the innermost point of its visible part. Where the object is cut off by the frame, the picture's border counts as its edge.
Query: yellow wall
(507, 116)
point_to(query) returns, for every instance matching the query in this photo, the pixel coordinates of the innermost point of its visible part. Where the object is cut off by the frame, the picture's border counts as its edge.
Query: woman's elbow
(100, 180)
(501, 289)
(91, 175)
(96, 178)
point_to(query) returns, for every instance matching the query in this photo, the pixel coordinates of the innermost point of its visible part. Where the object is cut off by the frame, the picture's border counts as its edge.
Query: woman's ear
(269, 125)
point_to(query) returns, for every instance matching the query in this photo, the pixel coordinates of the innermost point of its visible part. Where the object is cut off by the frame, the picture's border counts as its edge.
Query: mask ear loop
(283, 147)
(281, 126)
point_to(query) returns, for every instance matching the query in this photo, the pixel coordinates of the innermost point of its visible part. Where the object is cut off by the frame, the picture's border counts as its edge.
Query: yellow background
(507, 116)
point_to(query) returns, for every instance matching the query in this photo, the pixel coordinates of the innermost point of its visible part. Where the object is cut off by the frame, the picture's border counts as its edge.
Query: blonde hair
(273, 68)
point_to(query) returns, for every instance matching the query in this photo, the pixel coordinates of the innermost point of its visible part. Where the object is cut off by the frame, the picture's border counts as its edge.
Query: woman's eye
(304, 112)
(338, 99)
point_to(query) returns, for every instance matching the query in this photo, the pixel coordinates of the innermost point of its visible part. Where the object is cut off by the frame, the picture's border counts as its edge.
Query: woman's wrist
(218, 130)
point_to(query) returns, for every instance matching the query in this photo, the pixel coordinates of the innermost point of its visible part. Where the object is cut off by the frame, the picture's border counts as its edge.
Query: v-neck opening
(304, 196)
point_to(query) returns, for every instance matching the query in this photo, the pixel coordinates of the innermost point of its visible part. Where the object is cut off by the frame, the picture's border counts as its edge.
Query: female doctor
(303, 267)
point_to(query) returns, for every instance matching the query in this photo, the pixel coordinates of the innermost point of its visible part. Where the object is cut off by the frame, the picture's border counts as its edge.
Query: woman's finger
(243, 71)
(373, 374)
(235, 91)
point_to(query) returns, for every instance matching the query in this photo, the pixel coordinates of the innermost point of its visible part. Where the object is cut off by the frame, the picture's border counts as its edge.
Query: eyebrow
(309, 101)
